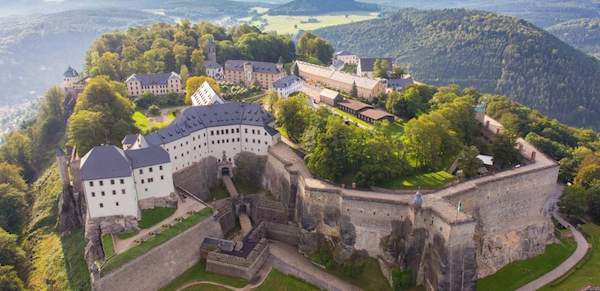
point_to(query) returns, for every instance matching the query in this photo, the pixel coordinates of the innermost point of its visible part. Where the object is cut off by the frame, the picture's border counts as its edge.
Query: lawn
(278, 281)
(127, 234)
(206, 287)
(145, 125)
(198, 273)
(517, 274)
(107, 245)
(352, 118)
(371, 278)
(426, 181)
(154, 241)
(291, 24)
(151, 217)
(218, 192)
(588, 271)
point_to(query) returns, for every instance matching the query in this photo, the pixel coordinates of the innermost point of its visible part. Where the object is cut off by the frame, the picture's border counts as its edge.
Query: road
(582, 247)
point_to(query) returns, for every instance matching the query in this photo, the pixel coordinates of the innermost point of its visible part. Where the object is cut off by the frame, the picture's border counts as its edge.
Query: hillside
(35, 50)
(583, 34)
(316, 7)
(498, 54)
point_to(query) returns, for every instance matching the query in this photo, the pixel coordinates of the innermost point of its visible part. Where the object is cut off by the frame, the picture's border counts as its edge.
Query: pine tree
(354, 91)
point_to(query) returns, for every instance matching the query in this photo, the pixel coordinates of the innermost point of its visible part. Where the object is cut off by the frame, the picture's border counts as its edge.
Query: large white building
(157, 84)
(205, 95)
(346, 57)
(116, 180)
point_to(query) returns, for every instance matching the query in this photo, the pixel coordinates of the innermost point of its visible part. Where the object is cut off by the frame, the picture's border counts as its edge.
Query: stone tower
(211, 51)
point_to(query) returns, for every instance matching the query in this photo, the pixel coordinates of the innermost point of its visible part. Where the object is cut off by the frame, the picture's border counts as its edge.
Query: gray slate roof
(71, 73)
(199, 117)
(211, 65)
(399, 83)
(152, 79)
(129, 139)
(149, 156)
(286, 81)
(104, 161)
(259, 67)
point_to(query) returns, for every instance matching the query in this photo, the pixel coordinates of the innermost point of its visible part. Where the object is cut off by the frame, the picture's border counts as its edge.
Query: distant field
(291, 24)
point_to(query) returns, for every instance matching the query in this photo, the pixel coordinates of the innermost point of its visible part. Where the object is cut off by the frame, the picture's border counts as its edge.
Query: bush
(402, 280)
(154, 110)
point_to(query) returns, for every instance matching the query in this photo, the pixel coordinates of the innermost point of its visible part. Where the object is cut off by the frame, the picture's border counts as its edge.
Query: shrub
(154, 110)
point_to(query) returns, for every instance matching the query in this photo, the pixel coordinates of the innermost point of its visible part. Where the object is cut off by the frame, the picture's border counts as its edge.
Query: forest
(583, 34)
(495, 54)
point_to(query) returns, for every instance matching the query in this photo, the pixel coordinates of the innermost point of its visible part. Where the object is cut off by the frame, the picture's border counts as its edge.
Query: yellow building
(250, 72)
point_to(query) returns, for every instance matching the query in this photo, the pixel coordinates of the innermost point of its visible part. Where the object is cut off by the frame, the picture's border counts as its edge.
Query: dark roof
(129, 139)
(70, 72)
(376, 114)
(148, 156)
(211, 65)
(259, 67)
(271, 131)
(343, 53)
(152, 79)
(286, 81)
(354, 105)
(104, 161)
(366, 64)
(199, 117)
(399, 83)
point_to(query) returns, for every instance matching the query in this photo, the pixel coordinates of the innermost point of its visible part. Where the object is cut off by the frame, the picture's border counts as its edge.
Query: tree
(380, 68)
(588, 174)
(11, 174)
(468, 161)
(593, 202)
(11, 253)
(184, 73)
(397, 73)
(406, 104)
(197, 62)
(86, 130)
(429, 141)
(354, 90)
(9, 280)
(154, 110)
(505, 152)
(312, 46)
(295, 70)
(12, 208)
(329, 159)
(195, 82)
(17, 150)
(292, 115)
(573, 201)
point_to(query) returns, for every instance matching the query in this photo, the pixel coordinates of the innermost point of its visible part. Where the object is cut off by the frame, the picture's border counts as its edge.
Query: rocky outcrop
(198, 178)
(494, 252)
(69, 212)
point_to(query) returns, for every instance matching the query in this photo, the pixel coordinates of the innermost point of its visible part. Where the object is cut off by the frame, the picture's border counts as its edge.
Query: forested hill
(583, 34)
(498, 54)
(315, 7)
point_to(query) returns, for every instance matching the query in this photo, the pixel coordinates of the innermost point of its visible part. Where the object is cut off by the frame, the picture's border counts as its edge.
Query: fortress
(448, 237)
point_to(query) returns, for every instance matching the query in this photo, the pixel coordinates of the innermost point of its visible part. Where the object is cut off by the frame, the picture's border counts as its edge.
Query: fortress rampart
(502, 218)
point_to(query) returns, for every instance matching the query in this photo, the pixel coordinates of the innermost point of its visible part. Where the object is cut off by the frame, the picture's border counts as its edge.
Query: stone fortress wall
(502, 220)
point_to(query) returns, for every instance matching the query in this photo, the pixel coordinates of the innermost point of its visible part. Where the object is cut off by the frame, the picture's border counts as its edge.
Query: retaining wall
(159, 266)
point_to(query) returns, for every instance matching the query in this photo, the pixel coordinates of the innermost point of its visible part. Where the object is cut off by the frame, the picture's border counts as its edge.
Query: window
(101, 205)
(112, 181)
(122, 181)
(117, 203)
(212, 132)
(227, 131)
(93, 194)
(102, 193)
(160, 168)
(142, 181)
(114, 192)
(162, 177)
(213, 142)
(245, 130)
(122, 191)
(101, 182)
(91, 183)
(150, 169)
(253, 131)
(141, 171)
(237, 130)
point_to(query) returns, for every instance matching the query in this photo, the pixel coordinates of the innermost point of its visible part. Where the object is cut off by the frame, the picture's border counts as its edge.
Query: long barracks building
(117, 181)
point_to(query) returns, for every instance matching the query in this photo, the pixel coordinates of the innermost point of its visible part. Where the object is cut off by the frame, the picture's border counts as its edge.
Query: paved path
(230, 186)
(287, 259)
(183, 207)
(582, 248)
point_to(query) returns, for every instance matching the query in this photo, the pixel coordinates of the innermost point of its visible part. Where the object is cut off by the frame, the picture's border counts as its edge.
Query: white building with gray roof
(116, 181)
(156, 84)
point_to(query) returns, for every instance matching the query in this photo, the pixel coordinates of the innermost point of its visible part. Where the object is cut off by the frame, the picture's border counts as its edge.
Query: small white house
(205, 95)
(213, 70)
(287, 85)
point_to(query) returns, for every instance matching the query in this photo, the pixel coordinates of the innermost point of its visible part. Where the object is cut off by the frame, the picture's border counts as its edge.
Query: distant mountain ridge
(583, 34)
(315, 7)
(494, 53)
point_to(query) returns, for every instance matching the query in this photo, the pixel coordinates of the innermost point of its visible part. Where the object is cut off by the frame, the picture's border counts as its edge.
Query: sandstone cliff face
(198, 178)
(495, 251)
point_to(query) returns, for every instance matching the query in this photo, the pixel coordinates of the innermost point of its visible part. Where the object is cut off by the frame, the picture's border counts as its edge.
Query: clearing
(291, 24)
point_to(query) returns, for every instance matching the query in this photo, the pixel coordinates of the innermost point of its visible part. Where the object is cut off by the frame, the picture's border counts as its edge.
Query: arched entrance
(225, 171)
